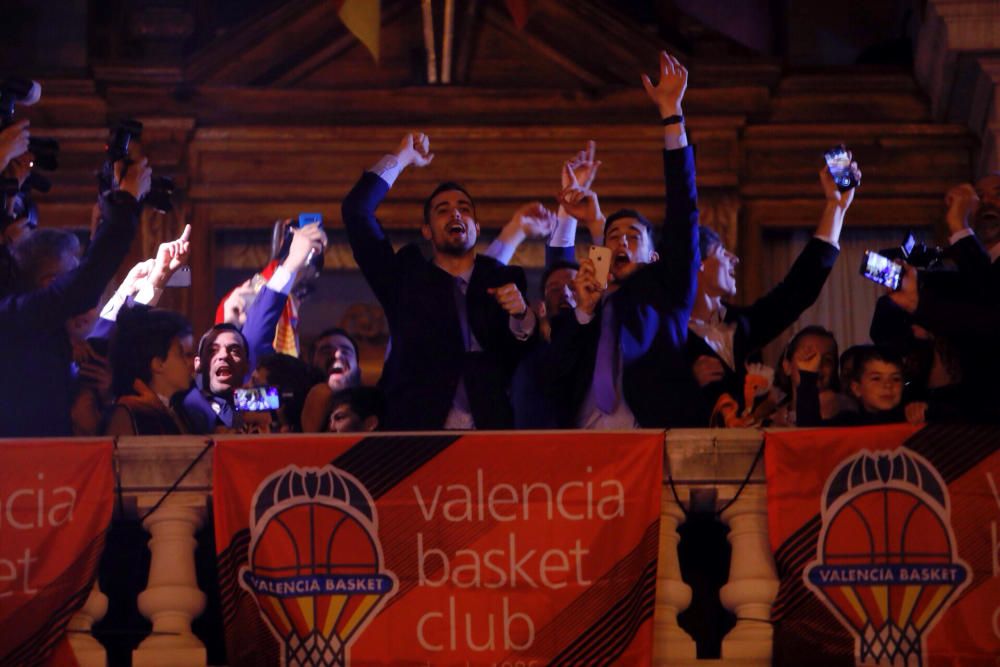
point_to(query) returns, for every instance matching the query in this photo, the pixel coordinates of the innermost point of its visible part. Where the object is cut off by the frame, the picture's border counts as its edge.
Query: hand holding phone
(601, 257)
(838, 162)
(882, 270)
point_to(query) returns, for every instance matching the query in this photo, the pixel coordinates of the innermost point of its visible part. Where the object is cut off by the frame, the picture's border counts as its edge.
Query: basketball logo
(886, 564)
(316, 567)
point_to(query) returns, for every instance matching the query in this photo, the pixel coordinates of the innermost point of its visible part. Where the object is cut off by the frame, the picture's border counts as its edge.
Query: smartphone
(838, 162)
(882, 270)
(256, 399)
(180, 278)
(601, 257)
(306, 219)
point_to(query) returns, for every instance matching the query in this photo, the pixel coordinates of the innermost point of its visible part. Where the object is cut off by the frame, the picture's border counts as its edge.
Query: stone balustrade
(718, 471)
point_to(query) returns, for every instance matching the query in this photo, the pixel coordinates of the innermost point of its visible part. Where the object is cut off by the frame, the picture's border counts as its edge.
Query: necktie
(606, 366)
(461, 396)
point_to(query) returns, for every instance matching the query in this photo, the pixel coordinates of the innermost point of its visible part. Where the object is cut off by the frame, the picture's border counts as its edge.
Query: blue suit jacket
(652, 305)
(35, 353)
(262, 319)
(427, 356)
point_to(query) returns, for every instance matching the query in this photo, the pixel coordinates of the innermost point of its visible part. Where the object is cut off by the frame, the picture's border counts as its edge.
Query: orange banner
(449, 549)
(56, 499)
(885, 541)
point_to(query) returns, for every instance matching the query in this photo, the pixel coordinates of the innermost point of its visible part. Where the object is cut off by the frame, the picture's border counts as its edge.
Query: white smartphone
(601, 257)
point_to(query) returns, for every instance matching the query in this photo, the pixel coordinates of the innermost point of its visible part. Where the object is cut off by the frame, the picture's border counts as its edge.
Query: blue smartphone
(310, 219)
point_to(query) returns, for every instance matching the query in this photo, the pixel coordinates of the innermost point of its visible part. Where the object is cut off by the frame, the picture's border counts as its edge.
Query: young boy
(877, 384)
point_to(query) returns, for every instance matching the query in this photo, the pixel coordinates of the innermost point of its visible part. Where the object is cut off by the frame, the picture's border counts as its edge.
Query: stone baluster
(88, 651)
(172, 599)
(671, 644)
(753, 581)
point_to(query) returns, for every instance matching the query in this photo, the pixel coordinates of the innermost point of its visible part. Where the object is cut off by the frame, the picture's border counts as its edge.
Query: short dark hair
(333, 331)
(141, 335)
(869, 353)
(43, 244)
(445, 187)
(556, 266)
(630, 213)
(364, 401)
(707, 238)
(205, 346)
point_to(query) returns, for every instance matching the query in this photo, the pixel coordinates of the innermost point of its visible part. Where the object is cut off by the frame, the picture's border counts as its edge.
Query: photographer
(33, 316)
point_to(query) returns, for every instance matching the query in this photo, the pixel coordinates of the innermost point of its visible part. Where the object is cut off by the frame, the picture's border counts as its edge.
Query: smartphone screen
(256, 399)
(601, 257)
(882, 270)
(838, 162)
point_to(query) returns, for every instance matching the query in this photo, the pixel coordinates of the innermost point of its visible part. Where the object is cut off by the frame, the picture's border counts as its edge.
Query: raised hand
(415, 149)
(583, 167)
(13, 142)
(510, 299)
(305, 240)
(668, 92)
(170, 256)
(833, 194)
(579, 201)
(534, 220)
(808, 358)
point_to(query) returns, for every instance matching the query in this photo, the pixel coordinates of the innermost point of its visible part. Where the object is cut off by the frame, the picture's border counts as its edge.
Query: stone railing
(717, 471)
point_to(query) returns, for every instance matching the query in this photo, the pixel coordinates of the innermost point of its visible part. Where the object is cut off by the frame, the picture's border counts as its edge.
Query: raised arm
(779, 308)
(79, 290)
(369, 242)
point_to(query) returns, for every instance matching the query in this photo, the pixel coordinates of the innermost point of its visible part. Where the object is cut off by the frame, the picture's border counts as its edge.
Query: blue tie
(606, 366)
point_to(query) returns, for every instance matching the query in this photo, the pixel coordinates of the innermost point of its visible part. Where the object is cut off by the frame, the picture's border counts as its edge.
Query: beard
(986, 224)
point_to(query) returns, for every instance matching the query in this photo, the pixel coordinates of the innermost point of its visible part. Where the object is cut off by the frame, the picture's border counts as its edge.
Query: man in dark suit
(615, 358)
(723, 337)
(458, 323)
(35, 355)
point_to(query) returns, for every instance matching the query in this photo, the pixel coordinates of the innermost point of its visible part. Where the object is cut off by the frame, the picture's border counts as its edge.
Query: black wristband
(672, 120)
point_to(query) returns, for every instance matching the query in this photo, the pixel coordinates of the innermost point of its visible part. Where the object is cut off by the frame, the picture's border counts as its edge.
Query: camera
(120, 139)
(13, 91)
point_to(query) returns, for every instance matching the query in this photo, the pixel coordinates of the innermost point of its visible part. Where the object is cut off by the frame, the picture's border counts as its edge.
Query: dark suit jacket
(652, 306)
(35, 353)
(427, 354)
(757, 325)
(262, 318)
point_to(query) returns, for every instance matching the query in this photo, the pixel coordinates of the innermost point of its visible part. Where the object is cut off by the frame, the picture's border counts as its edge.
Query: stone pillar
(172, 599)
(956, 58)
(753, 581)
(671, 644)
(88, 651)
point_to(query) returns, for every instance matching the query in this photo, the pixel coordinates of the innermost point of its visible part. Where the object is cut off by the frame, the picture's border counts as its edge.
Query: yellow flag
(363, 19)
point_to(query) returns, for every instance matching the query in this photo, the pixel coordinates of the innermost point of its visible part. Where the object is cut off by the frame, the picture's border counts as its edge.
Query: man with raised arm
(616, 357)
(724, 336)
(458, 323)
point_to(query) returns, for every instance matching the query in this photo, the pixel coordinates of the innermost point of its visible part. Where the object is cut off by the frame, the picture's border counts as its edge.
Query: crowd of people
(641, 333)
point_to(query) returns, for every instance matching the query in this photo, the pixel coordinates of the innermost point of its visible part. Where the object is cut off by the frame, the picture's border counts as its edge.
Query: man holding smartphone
(616, 357)
(724, 336)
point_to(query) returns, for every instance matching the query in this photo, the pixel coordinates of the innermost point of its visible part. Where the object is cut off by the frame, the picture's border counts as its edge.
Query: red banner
(886, 545)
(56, 499)
(477, 549)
